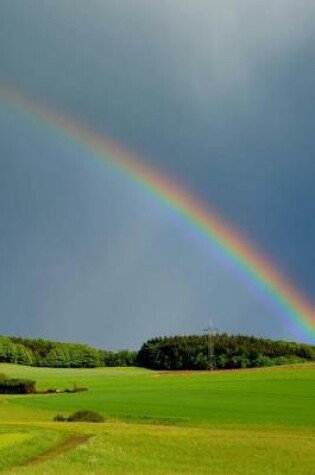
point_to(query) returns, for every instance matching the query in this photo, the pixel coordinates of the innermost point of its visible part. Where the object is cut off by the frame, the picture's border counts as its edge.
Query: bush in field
(60, 418)
(17, 386)
(85, 416)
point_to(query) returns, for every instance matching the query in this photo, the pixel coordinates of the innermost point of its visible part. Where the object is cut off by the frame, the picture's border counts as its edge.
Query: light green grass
(17, 444)
(244, 422)
(274, 396)
(7, 439)
(144, 449)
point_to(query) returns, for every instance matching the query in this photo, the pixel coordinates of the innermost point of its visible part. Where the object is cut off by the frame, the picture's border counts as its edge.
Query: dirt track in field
(66, 445)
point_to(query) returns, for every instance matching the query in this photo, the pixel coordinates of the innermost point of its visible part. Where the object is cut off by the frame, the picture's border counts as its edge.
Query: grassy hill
(259, 421)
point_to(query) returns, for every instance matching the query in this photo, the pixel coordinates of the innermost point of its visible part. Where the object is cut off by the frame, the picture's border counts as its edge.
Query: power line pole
(211, 331)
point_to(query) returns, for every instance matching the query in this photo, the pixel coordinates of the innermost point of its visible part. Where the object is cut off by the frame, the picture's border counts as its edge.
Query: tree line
(164, 353)
(41, 352)
(230, 352)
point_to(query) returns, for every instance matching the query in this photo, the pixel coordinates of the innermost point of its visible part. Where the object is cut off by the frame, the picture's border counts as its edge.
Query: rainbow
(298, 312)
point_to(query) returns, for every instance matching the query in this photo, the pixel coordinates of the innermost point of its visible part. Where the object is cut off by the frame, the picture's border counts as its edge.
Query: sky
(219, 96)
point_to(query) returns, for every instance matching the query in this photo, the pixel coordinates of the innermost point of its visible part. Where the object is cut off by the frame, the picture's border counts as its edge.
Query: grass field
(243, 422)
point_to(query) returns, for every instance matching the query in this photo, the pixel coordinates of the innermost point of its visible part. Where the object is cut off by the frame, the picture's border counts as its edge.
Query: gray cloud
(218, 95)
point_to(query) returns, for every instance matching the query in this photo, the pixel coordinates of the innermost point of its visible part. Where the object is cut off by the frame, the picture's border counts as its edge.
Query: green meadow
(258, 421)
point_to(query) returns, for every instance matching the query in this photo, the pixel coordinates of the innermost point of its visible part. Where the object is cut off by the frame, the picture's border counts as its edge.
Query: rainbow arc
(278, 289)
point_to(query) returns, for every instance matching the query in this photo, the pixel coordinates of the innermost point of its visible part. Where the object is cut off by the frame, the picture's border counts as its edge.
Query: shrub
(60, 418)
(289, 359)
(50, 391)
(17, 386)
(262, 361)
(80, 390)
(85, 416)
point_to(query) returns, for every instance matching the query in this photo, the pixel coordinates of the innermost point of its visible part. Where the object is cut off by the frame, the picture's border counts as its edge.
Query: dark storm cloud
(218, 94)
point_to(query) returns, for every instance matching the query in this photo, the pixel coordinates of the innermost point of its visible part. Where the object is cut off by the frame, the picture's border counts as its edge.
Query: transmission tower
(211, 332)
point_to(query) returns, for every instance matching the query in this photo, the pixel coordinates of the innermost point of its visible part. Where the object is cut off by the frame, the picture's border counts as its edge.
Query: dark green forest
(230, 352)
(165, 353)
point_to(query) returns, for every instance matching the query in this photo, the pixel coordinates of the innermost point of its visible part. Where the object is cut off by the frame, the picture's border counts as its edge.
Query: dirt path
(65, 445)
